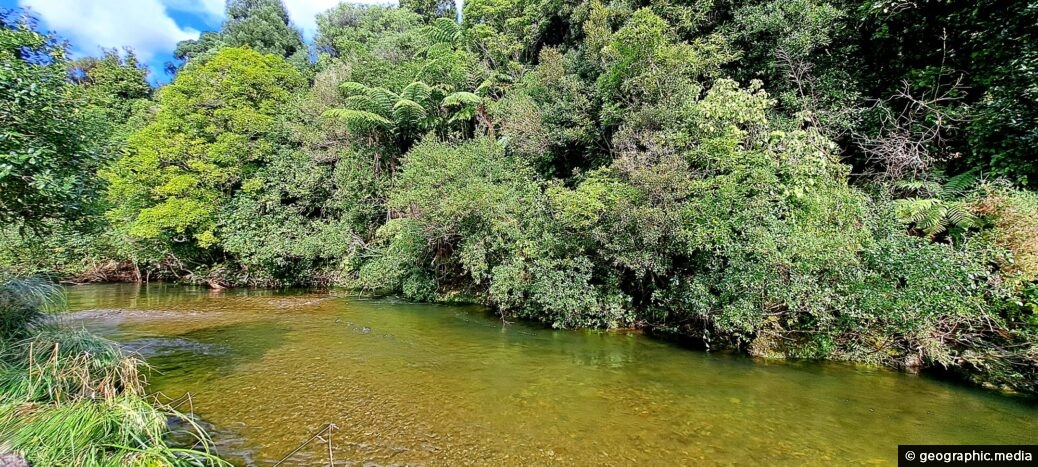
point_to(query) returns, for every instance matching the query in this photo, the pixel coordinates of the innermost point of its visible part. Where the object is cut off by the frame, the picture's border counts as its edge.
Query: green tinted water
(450, 385)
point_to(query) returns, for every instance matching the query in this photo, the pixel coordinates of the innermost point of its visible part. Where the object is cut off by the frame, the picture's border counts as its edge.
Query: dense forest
(843, 179)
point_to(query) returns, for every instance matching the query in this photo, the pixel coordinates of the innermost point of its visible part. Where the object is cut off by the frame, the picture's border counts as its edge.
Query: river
(418, 384)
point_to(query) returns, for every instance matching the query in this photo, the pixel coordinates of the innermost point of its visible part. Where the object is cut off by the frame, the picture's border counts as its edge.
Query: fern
(934, 216)
(385, 98)
(408, 112)
(959, 184)
(961, 217)
(446, 31)
(417, 92)
(351, 88)
(939, 210)
(359, 119)
(461, 98)
(920, 186)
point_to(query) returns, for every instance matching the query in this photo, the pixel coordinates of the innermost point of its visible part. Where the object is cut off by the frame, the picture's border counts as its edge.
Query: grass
(23, 302)
(68, 397)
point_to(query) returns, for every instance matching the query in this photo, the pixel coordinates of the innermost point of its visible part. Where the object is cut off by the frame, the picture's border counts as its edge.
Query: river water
(411, 384)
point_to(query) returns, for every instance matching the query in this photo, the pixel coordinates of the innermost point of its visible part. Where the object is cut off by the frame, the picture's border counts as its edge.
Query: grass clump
(68, 397)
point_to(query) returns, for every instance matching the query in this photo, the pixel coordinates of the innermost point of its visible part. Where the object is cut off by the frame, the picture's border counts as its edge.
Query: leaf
(385, 99)
(408, 111)
(446, 31)
(358, 118)
(461, 98)
(961, 217)
(925, 187)
(351, 88)
(960, 183)
(361, 102)
(416, 91)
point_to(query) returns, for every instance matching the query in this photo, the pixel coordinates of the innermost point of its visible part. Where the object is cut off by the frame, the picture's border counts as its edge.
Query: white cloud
(143, 25)
(146, 25)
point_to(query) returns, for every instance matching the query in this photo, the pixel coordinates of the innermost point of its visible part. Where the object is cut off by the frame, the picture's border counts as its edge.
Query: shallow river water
(451, 385)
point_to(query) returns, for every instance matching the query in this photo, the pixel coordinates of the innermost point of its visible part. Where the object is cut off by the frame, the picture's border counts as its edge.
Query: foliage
(204, 144)
(115, 90)
(69, 397)
(262, 25)
(786, 178)
(46, 158)
(23, 302)
(939, 209)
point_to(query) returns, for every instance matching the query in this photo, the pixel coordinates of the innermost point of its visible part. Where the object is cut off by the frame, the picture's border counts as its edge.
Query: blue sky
(151, 27)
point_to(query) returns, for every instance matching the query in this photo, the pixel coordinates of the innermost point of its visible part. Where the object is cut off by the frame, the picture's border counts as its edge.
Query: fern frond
(446, 31)
(408, 112)
(924, 187)
(351, 88)
(960, 183)
(961, 217)
(358, 119)
(361, 102)
(461, 98)
(385, 99)
(933, 221)
(417, 91)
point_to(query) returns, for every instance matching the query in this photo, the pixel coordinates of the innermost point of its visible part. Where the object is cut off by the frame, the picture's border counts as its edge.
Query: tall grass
(68, 397)
(23, 302)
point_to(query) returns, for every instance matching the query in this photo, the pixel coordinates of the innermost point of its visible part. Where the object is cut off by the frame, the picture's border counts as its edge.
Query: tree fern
(359, 119)
(939, 210)
(408, 113)
(446, 31)
(417, 91)
(351, 88)
(461, 98)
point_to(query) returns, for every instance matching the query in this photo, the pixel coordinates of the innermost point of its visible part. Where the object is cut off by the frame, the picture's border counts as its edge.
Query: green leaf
(358, 118)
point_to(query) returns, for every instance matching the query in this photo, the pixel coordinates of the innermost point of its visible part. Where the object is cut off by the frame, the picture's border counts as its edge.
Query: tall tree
(211, 134)
(46, 155)
(115, 88)
(263, 25)
(431, 9)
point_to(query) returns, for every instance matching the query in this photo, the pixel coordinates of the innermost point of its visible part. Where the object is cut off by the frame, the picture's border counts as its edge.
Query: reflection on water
(449, 385)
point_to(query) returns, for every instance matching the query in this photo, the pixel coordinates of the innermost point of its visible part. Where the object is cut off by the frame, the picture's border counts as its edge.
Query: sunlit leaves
(211, 130)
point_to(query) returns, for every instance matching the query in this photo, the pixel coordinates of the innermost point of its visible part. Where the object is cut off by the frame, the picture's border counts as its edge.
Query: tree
(431, 9)
(263, 25)
(47, 157)
(399, 119)
(115, 89)
(213, 130)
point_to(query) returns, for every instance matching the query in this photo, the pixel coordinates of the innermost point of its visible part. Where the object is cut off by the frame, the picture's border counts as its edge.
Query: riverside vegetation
(846, 180)
(68, 397)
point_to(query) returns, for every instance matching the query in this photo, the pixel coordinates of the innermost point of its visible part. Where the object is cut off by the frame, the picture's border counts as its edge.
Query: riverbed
(419, 384)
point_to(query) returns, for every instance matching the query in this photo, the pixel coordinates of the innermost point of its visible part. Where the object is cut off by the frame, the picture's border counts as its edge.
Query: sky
(151, 27)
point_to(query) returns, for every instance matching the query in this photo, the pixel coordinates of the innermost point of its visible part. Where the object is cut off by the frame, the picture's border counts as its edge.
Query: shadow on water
(204, 354)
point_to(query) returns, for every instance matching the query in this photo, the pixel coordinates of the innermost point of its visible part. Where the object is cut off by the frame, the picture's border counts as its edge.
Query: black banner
(967, 455)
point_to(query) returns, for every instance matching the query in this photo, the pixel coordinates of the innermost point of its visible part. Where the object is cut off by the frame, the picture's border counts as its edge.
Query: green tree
(212, 132)
(47, 153)
(263, 25)
(115, 91)
(431, 9)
